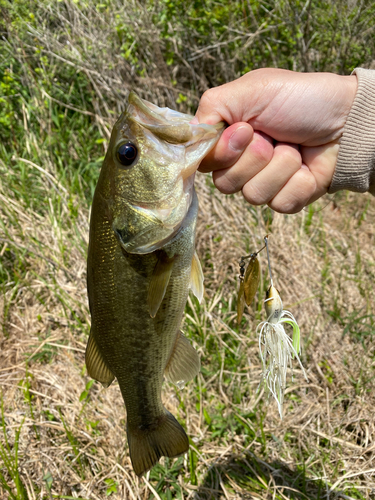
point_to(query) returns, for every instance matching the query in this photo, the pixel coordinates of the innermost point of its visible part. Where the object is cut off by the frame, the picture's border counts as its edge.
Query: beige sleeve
(355, 167)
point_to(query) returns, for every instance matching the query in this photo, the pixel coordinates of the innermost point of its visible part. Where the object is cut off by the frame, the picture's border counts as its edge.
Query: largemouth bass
(141, 264)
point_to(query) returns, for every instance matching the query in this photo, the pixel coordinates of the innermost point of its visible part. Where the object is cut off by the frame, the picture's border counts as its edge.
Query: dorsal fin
(159, 282)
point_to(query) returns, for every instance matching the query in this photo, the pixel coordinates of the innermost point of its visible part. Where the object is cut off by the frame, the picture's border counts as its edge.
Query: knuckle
(208, 98)
(290, 155)
(289, 206)
(262, 152)
(226, 184)
(253, 194)
(296, 194)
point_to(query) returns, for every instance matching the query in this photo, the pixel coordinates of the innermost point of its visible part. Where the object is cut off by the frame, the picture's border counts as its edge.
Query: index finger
(232, 102)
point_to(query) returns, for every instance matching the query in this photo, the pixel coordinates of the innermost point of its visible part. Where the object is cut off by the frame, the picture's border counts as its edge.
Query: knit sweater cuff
(355, 167)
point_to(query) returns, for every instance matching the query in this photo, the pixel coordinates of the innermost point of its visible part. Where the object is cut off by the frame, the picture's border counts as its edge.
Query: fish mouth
(142, 230)
(167, 124)
(173, 126)
(154, 237)
(174, 147)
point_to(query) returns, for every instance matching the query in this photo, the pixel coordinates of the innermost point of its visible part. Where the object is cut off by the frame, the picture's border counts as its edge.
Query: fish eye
(127, 154)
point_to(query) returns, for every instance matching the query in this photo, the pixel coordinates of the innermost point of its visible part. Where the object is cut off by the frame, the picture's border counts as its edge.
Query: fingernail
(240, 138)
(194, 121)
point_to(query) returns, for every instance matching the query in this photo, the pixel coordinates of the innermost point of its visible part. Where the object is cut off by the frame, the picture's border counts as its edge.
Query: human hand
(282, 142)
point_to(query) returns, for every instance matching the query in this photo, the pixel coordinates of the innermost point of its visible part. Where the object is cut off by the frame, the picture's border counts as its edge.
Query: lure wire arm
(268, 257)
(250, 256)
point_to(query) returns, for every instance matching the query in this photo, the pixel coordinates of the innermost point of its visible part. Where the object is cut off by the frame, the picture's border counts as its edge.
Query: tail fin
(167, 439)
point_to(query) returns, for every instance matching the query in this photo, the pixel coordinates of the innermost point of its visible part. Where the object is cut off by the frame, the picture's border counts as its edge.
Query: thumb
(214, 106)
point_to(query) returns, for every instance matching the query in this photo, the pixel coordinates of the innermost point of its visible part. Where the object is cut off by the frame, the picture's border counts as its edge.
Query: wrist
(356, 158)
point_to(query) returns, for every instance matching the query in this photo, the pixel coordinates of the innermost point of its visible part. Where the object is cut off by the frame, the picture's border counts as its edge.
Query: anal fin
(196, 278)
(95, 364)
(184, 363)
(158, 283)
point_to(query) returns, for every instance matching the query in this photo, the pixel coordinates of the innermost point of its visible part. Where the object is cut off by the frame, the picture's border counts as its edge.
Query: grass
(65, 69)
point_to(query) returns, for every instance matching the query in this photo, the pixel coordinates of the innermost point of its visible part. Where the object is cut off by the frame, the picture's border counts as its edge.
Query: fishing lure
(277, 349)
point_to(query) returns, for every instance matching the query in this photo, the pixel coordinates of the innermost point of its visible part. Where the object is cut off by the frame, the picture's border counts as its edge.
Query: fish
(141, 265)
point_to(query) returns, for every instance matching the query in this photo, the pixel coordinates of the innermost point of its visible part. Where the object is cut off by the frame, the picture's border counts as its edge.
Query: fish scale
(141, 264)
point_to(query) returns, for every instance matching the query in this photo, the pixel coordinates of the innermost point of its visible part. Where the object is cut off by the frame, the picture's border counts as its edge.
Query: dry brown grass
(327, 265)
(73, 433)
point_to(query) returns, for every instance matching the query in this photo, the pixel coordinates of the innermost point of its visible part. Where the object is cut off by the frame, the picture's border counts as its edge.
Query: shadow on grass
(250, 477)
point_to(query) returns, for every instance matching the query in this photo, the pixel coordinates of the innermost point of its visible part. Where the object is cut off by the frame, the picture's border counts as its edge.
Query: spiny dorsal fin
(196, 278)
(95, 364)
(158, 283)
(183, 363)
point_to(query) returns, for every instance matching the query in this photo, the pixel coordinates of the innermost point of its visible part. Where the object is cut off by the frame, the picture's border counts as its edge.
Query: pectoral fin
(196, 278)
(183, 363)
(95, 364)
(158, 283)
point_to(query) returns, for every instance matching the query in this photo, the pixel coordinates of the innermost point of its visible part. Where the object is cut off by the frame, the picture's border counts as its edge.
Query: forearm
(355, 167)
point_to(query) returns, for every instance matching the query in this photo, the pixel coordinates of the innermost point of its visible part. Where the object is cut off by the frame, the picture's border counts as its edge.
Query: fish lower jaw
(147, 242)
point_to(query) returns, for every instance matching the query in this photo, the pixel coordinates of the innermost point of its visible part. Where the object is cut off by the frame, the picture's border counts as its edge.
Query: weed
(10, 458)
(65, 71)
